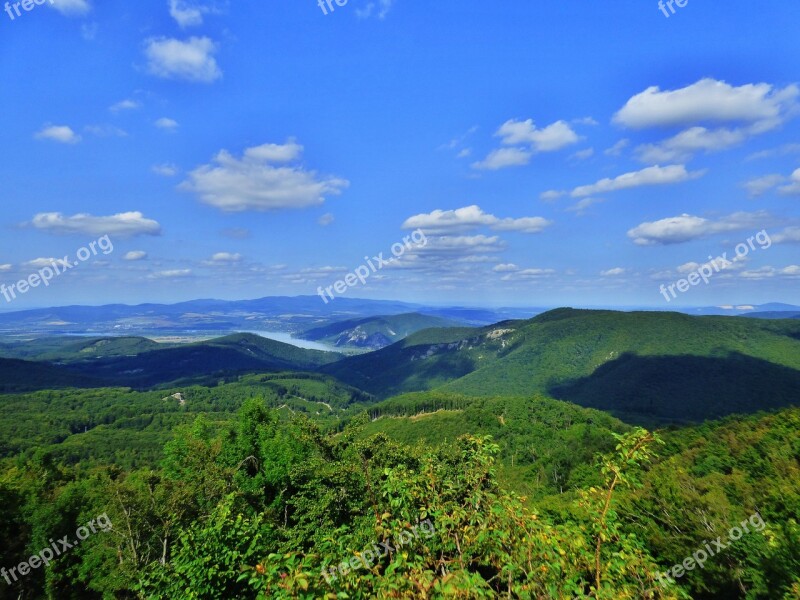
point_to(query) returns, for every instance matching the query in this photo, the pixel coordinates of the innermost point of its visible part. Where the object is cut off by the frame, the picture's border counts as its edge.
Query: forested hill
(639, 365)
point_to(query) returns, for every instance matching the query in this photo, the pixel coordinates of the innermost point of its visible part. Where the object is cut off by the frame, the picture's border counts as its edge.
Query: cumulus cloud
(5, 267)
(505, 268)
(790, 235)
(708, 100)
(263, 179)
(615, 272)
(191, 60)
(58, 133)
(655, 175)
(580, 207)
(685, 228)
(793, 187)
(761, 185)
(122, 224)
(470, 218)
(524, 140)
(187, 13)
(135, 255)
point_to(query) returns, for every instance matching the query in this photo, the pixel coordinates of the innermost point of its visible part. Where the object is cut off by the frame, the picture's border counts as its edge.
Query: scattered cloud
(708, 100)
(123, 105)
(188, 13)
(225, 258)
(58, 133)
(166, 124)
(470, 218)
(617, 148)
(325, 219)
(761, 185)
(165, 170)
(171, 274)
(256, 182)
(505, 268)
(684, 145)
(686, 228)
(793, 187)
(503, 158)
(6, 267)
(551, 195)
(122, 224)
(784, 150)
(582, 206)
(524, 140)
(656, 175)
(191, 60)
(135, 255)
(72, 8)
(527, 274)
(583, 154)
(790, 235)
(379, 9)
(615, 272)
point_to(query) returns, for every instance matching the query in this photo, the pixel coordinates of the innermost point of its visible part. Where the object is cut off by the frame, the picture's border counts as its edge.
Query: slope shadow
(644, 389)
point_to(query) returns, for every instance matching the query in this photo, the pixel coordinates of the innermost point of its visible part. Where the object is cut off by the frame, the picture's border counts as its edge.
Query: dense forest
(295, 486)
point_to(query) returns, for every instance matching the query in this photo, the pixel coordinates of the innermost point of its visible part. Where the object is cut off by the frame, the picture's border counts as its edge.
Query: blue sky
(567, 153)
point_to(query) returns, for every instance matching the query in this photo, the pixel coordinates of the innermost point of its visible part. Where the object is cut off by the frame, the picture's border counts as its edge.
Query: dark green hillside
(205, 361)
(23, 376)
(375, 332)
(640, 365)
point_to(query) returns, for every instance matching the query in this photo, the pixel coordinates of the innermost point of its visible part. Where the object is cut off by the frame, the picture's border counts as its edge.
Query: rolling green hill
(642, 365)
(375, 332)
(75, 348)
(204, 361)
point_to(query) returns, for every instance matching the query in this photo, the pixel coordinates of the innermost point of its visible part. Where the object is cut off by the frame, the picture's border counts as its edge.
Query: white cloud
(617, 148)
(581, 206)
(583, 154)
(125, 105)
(708, 100)
(5, 267)
(121, 224)
(165, 170)
(685, 228)
(761, 185)
(40, 263)
(58, 133)
(325, 219)
(793, 187)
(253, 182)
(380, 9)
(72, 8)
(655, 175)
(528, 274)
(503, 158)
(187, 13)
(791, 271)
(615, 272)
(171, 274)
(551, 195)
(190, 60)
(469, 218)
(553, 137)
(505, 268)
(167, 124)
(783, 150)
(685, 144)
(135, 255)
(226, 258)
(790, 235)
